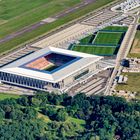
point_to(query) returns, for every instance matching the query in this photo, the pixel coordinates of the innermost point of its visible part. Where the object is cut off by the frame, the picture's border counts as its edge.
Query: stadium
(50, 69)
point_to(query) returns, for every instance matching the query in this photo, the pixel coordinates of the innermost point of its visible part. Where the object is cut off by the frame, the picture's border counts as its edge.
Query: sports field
(116, 28)
(106, 42)
(18, 14)
(97, 50)
(108, 38)
(86, 40)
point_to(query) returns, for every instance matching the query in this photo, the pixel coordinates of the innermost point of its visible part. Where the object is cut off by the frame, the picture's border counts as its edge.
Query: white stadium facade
(50, 69)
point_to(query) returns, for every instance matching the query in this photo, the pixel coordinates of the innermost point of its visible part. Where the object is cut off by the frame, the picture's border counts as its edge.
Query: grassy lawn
(133, 83)
(116, 28)
(23, 13)
(135, 50)
(44, 117)
(12, 8)
(105, 38)
(80, 122)
(105, 42)
(92, 49)
(75, 120)
(18, 22)
(57, 106)
(86, 40)
(2, 21)
(5, 96)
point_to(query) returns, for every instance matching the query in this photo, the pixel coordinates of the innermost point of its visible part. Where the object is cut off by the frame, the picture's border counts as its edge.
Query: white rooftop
(15, 67)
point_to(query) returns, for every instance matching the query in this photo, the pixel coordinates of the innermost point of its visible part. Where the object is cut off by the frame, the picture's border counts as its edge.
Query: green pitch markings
(116, 28)
(86, 40)
(105, 43)
(105, 38)
(96, 50)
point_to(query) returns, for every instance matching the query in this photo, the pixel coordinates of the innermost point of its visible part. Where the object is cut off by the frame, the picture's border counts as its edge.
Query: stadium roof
(15, 67)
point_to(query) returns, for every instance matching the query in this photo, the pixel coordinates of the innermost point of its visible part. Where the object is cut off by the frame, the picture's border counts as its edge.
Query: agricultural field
(17, 17)
(135, 50)
(108, 38)
(97, 50)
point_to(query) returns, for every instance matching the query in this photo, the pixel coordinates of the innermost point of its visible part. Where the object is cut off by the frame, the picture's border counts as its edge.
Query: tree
(16, 114)
(29, 113)
(61, 115)
(2, 114)
(23, 101)
(93, 118)
(36, 102)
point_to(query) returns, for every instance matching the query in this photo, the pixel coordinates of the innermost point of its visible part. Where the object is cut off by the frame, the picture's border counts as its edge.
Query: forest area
(48, 116)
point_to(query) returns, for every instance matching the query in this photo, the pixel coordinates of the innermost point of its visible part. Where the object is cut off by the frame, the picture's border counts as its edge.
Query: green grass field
(75, 120)
(105, 38)
(86, 40)
(104, 43)
(12, 8)
(52, 7)
(116, 28)
(24, 13)
(133, 83)
(92, 49)
(5, 96)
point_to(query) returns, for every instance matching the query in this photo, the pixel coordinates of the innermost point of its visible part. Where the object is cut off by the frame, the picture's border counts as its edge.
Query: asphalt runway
(39, 24)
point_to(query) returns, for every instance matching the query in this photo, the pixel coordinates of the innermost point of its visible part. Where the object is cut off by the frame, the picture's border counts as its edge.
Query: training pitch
(105, 43)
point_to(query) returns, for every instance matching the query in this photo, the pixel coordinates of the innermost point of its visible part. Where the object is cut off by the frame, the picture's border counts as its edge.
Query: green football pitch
(86, 40)
(97, 50)
(108, 38)
(106, 41)
(116, 28)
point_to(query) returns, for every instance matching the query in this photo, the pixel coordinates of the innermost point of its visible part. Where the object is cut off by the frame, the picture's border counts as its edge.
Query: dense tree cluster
(103, 118)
